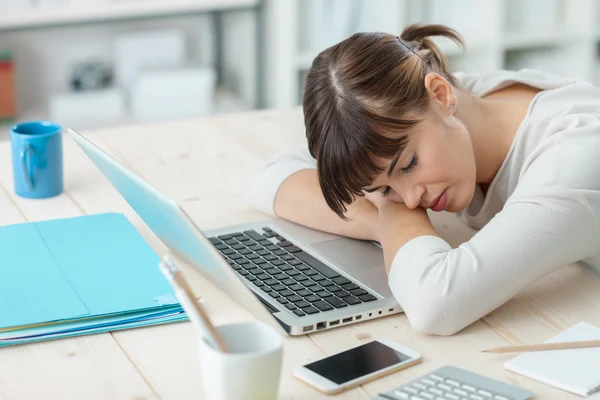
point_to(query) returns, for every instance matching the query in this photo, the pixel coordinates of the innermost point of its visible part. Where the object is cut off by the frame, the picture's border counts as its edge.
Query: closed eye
(411, 165)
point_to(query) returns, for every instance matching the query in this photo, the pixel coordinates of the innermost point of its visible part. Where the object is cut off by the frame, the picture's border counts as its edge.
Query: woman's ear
(440, 92)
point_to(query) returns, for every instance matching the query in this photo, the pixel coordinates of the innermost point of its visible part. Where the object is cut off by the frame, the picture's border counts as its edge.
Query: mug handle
(27, 172)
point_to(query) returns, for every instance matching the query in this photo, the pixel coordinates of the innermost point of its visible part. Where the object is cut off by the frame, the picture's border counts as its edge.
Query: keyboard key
(334, 288)
(267, 229)
(251, 278)
(272, 271)
(436, 377)
(279, 288)
(265, 242)
(340, 280)
(358, 292)
(299, 313)
(285, 243)
(326, 283)
(295, 298)
(274, 294)
(255, 271)
(293, 249)
(323, 294)
(310, 310)
(316, 288)
(323, 306)
(301, 278)
(451, 396)
(243, 272)
(312, 298)
(214, 240)
(302, 304)
(221, 246)
(252, 256)
(281, 276)
(270, 257)
(235, 256)
(334, 301)
(266, 289)
(484, 393)
(242, 261)
(287, 293)
(268, 234)
(367, 297)
(316, 264)
(304, 292)
(282, 300)
(228, 252)
(254, 235)
(290, 306)
(263, 252)
(272, 247)
(277, 262)
(289, 270)
(475, 397)
(318, 278)
(401, 395)
(352, 300)
(272, 282)
(238, 246)
(453, 383)
(256, 247)
(263, 277)
(350, 286)
(296, 287)
(245, 251)
(231, 241)
(225, 237)
(310, 272)
(426, 395)
(294, 262)
(498, 397)
(463, 393)
(282, 253)
(288, 282)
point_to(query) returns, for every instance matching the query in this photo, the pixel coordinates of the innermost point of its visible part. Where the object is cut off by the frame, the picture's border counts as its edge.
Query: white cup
(251, 370)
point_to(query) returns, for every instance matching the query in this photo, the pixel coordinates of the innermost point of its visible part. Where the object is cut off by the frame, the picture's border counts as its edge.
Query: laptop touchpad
(361, 259)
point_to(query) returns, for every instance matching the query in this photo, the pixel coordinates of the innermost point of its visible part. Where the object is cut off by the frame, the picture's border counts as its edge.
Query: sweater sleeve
(266, 183)
(442, 290)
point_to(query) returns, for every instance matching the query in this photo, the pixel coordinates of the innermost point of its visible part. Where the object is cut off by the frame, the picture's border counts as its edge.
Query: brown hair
(361, 96)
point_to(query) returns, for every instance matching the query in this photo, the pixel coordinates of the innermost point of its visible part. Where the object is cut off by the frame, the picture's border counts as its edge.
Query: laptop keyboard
(294, 278)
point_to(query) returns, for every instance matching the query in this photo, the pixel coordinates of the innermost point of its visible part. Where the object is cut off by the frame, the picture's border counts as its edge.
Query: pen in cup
(194, 311)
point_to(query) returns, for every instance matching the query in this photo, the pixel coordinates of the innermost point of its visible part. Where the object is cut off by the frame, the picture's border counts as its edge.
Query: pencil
(545, 346)
(194, 311)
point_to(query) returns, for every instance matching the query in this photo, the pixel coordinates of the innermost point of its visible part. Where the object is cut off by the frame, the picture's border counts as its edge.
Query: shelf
(225, 102)
(524, 40)
(105, 10)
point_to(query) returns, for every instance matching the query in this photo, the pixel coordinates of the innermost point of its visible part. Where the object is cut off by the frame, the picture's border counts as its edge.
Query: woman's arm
(288, 187)
(299, 199)
(442, 290)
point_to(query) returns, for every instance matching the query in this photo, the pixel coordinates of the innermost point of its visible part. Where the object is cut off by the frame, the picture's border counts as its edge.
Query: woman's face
(435, 170)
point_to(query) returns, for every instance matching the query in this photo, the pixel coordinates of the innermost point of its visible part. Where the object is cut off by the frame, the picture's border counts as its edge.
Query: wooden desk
(206, 164)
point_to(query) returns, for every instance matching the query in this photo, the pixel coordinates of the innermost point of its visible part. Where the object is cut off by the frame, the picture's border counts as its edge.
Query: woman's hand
(396, 224)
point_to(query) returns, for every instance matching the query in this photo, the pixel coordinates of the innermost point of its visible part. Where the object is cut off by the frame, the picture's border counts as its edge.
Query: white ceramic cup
(252, 369)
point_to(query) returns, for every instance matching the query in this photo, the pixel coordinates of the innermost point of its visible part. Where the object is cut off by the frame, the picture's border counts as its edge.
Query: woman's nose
(412, 198)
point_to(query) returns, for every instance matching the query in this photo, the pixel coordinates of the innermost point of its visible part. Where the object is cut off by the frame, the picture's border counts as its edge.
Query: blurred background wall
(94, 63)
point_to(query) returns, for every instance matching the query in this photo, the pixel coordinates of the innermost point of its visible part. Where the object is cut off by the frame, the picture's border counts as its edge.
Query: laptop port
(358, 317)
(321, 325)
(334, 323)
(307, 328)
(391, 309)
(347, 320)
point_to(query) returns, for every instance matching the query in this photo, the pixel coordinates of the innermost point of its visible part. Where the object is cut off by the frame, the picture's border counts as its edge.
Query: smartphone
(356, 366)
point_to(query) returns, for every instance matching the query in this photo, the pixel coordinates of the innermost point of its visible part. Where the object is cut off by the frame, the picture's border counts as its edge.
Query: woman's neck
(492, 122)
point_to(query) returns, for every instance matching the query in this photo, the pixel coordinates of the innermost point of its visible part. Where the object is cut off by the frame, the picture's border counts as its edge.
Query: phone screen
(357, 362)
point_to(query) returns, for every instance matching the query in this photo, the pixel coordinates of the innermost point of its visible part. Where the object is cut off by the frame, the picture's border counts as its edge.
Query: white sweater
(541, 211)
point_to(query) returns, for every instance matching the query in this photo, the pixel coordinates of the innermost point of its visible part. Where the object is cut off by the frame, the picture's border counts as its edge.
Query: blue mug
(37, 159)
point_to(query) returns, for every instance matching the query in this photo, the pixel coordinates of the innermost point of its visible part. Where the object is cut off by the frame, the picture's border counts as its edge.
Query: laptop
(296, 279)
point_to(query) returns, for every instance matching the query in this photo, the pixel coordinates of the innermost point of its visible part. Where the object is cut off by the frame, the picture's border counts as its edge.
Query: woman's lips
(441, 202)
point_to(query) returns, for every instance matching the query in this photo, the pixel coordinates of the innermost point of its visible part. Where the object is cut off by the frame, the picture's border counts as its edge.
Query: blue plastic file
(80, 269)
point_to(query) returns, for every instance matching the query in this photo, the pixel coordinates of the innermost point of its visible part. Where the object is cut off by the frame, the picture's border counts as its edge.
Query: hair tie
(414, 52)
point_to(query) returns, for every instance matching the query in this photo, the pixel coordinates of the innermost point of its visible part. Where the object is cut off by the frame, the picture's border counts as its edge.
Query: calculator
(452, 383)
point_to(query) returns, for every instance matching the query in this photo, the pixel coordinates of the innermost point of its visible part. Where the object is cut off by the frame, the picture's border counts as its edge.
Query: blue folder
(79, 275)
